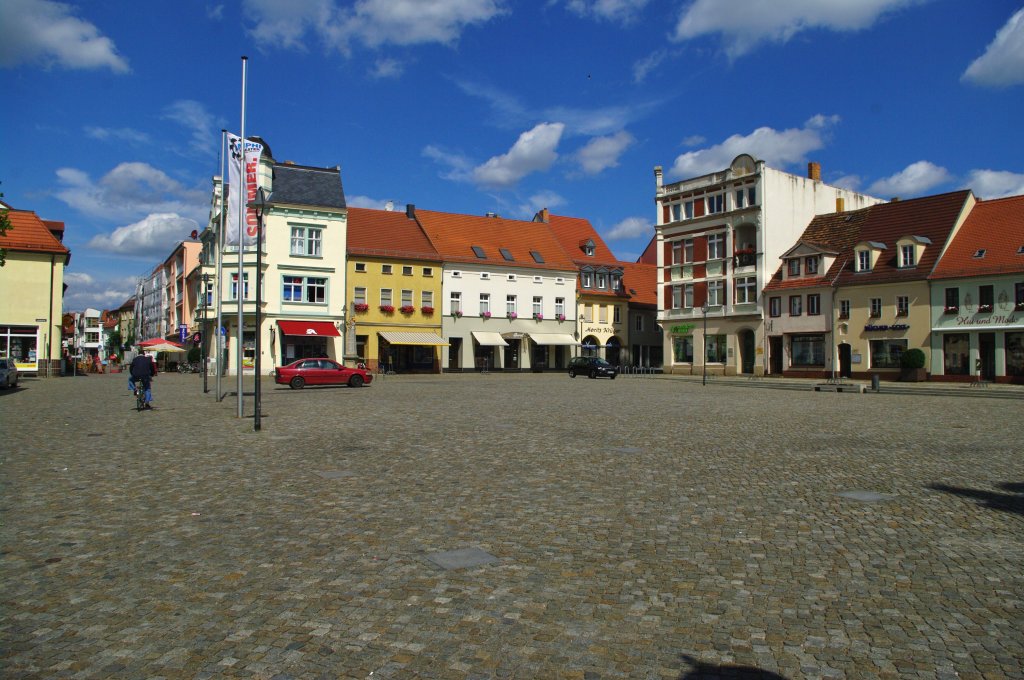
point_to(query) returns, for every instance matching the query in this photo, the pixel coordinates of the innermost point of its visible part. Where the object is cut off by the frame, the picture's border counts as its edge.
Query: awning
(410, 338)
(318, 328)
(553, 339)
(487, 339)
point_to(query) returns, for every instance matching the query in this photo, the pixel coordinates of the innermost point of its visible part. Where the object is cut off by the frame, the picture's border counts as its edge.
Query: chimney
(840, 204)
(658, 177)
(542, 216)
(814, 171)
(410, 210)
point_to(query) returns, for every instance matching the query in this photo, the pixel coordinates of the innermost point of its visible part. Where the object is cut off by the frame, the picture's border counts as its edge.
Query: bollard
(875, 381)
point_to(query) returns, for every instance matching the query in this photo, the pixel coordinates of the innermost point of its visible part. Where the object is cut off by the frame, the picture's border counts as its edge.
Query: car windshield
(601, 362)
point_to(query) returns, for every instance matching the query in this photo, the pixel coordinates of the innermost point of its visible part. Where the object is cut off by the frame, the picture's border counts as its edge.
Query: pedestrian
(143, 368)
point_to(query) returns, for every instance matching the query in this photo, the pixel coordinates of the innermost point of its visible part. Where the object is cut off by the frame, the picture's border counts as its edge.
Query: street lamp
(260, 204)
(704, 311)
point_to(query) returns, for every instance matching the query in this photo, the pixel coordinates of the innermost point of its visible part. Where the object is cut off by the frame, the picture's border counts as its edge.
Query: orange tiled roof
(386, 233)
(573, 232)
(995, 226)
(29, 233)
(453, 236)
(640, 281)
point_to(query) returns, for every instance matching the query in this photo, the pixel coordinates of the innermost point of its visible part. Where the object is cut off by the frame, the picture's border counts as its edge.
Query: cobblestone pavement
(636, 528)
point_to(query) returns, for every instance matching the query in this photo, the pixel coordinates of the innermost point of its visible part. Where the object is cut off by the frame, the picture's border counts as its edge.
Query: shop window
(956, 351)
(807, 351)
(887, 353)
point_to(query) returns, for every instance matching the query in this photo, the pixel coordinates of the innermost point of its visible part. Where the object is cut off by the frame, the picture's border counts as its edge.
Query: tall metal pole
(219, 278)
(261, 203)
(241, 243)
(704, 342)
(204, 332)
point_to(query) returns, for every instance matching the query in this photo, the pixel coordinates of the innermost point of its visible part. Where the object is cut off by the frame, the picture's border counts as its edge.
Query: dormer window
(811, 265)
(794, 267)
(910, 249)
(866, 254)
(587, 247)
(863, 260)
(907, 256)
(980, 253)
(585, 280)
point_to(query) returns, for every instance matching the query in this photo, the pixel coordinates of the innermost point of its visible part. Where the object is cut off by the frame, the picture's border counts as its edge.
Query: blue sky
(113, 110)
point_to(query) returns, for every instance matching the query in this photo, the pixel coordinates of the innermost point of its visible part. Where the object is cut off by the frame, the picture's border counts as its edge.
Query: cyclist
(144, 368)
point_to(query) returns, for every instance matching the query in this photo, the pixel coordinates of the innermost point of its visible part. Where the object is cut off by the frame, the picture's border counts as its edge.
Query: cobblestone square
(635, 528)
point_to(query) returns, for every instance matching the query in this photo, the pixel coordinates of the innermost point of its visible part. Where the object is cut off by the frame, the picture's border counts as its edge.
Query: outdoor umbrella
(161, 345)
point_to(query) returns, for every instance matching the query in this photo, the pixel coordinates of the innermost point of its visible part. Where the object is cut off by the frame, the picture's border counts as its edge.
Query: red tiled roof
(573, 232)
(29, 233)
(386, 233)
(995, 226)
(835, 232)
(453, 236)
(640, 281)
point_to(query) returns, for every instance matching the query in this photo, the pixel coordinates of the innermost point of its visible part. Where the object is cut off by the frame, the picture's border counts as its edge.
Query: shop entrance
(845, 361)
(746, 351)
(987, 355)
(775, 354)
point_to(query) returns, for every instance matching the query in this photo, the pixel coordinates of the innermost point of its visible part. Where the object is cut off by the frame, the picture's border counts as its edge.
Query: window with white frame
(538, 306)
(676, 212)
(359, 295)
(360, 267)
(614, 282)
(559, 306)
(233, 292)
(715, 203)
(746, 289)
(306, 241)
(688, 296)
(908, 255)
(538, 279)
(385, 269)
(407, 270)
(814, 304)
(688, 251)
(485, 304)
(677, 252)
(602, 281)
(385, 296)
(716, 246)
(602, 313)
(427, 298)
(716, 293)
(863, 260)
(456, 274)
(844, 309)
(741, 197)
(511, 277)
(585, 280)
(406, 297)
(485, 276)
(902, 305)
(510, 305)
(688, 210)
(455, 300)
(811, 264)
(677, 297)
(876, 307)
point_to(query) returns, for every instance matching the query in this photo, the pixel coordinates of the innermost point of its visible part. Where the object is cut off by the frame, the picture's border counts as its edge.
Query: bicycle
(140, 395)
(191, 367)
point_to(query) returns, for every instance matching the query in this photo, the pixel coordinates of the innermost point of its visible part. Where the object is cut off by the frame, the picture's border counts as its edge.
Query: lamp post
(260, 204)
(203, 334)
(704, 311)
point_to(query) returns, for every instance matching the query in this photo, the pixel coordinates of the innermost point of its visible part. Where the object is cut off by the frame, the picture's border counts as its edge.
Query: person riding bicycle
(143, 369)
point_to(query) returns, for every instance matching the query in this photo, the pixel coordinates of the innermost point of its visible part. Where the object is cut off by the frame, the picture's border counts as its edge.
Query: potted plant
(912, 366)
(457, 314)
(513, 315)
(427, 310)
(387, 309)
(486, 315)
(361, 307)
(538, 316)
(407, 309)
(560, 317)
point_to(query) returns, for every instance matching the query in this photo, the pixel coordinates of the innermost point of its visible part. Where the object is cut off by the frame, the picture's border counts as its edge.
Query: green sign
(685, 329)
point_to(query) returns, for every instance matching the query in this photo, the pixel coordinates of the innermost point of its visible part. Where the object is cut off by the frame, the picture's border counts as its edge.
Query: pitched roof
(995, 226)
(931, 216)
(29, 233)
(640, 281)
(834, 232)
(573, 232)
(305, 185)
(386, 233)
(454, 236)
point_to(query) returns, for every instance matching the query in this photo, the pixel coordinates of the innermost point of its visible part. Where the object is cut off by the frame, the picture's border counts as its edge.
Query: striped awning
(488, 339)
(412, 338)
(553, 339)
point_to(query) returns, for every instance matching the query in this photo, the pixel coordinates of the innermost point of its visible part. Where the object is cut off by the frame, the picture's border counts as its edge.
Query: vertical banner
(242, 176)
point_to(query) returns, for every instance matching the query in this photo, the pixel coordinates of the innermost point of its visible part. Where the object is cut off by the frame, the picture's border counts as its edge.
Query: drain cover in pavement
(462, 558)
(866, 496)
(335, 474)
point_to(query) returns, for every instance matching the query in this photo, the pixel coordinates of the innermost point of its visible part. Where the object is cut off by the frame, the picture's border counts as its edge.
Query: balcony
(745, 258)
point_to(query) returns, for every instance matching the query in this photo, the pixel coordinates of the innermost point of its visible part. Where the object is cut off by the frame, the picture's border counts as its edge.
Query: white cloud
(643, 67)
(40, 31)
(541, 199)
(374, 203)
(619, 11)
(128, 191)
(1003, 62)
(603, 152)
(851, 182)
(85, 291)
(372, 22)
(154, 235)
(776, 147)
(995, 183)
(744, 24)
(694, 140)
(534, 151)
(631, 227)
(460, 168)
(387, 68)
(134, 137)
(201, 124)
(78, 279)
(915, 179)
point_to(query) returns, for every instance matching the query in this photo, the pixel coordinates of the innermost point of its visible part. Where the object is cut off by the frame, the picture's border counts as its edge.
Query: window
(510, 277)
(407, 270)
(456, 274)
(306, 241)
(506, 254)
(807, 350)
(585, 280)
(588, 249)
(688, 296)
(538, 306)
(677, 252)
(292, 290)
(614, 282)
(406, 297)
(715, 203)
(638, 323)
(716, 293)
(361, 267)
(876, 307)
(980, 253)
(952, 299)
(887, 353)
(955, 352)
(688, 210)
(677, 297)
(676, 212)
(902, 305)
(537, 257)
(688, 251)
(485, 276)
(908, 255)
(385, 296)
(1018, 293)
(795, 305)
(775, 306)
(559, 306)
(740, 198)
(813, 304)
(602, 281)
(986, 297)
(1015, 354)
(233, 293)
(811, 265)
(682, 349)
(602, 313)
(751, 195)
(209, 294)
(428, 271)
(455, 301)
(588, 313)
(844, 309)
(538, 279)
(510, 305)
(385, 269)
(479, 252)
(746, 289)
(427, 298)
(359, 295)
(794, 267)
(715, 349)
(616, 314)
(863, 260)
(716, 246)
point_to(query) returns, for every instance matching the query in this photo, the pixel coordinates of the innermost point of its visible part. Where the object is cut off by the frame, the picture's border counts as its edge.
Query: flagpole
(219, 344)
(241, 243)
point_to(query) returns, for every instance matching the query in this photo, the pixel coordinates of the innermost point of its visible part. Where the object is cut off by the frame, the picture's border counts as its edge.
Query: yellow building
(33, 283)
(394, 288)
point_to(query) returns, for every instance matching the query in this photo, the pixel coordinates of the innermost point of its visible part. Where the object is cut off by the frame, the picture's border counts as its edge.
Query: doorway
(987, 355)
(775, 354)
(845, 361)
(746, 351)
(512, 355)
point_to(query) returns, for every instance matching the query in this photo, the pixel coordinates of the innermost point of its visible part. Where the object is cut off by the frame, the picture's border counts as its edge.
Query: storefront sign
(884, 327)
(995, 319)
(684, 329)
(599, 329)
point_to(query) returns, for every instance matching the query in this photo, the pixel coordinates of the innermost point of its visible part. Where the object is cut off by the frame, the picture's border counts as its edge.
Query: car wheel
(355, 381)
(612, 376)
(572, 373)
(297, 383)
(592, 374)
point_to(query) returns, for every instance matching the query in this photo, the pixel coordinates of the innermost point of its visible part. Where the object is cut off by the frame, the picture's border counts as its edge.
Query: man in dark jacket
(144, 368)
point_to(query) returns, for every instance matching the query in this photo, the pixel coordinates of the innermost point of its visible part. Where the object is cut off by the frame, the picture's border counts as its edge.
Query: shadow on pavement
(709, 671)
(1005, 502)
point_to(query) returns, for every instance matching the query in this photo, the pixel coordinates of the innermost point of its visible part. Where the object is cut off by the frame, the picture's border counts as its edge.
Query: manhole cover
(866, 496)
(462, 558)
(335, 474)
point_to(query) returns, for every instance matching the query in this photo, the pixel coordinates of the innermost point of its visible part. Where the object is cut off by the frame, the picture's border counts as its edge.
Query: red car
(304, 372)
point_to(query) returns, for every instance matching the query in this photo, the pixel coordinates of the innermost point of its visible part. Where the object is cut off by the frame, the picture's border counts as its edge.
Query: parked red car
(304, 372)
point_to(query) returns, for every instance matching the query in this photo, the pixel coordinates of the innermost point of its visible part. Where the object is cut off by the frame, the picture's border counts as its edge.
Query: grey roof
(303, 185)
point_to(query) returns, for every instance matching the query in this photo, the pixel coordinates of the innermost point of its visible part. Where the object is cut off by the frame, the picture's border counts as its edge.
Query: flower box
(538, 317)
(1019, 307)
(513, 315)
(486, 315)
(950, 310)
(457, 314)
(407, 309)
(560, 317)
(984, 309)
(427, 310)
(387, 309)
(361, 307)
